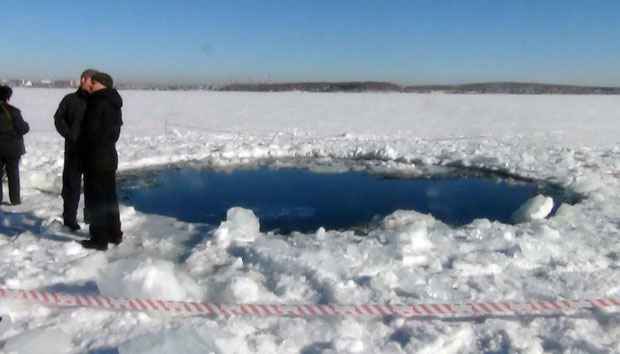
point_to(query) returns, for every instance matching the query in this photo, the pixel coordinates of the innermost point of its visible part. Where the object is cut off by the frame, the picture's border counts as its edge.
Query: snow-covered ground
(409, 258)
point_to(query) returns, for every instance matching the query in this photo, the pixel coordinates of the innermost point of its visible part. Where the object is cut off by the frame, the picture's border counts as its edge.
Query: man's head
(5, 93)
(85, 79)
(101, 81)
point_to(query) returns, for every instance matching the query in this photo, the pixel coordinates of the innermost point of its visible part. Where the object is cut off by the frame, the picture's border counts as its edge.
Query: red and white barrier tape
(481, 309)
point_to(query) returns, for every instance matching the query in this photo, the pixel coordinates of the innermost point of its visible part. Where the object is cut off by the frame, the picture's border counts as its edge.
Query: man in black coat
(68, 121)
(97, 143)
(12, 131)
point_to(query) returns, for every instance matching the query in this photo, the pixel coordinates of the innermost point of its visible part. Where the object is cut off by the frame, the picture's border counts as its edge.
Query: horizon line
(300, 82)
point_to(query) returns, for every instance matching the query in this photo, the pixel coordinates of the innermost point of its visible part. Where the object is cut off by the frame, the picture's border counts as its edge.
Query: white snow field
(409, 258)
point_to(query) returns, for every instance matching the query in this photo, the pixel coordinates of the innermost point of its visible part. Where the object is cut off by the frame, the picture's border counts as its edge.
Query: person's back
(101, 129)
(69, 116)
(12, 129)
(100, 132)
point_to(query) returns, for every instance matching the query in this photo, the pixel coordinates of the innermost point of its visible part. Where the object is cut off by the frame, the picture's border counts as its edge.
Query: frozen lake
(406, 258)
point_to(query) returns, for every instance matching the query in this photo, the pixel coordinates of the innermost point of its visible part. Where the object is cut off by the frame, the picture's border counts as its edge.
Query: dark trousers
(100, 189)
(11, 164)
(72, 187)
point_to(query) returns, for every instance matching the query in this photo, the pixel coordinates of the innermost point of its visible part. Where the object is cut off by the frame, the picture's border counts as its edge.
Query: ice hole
(301, 196)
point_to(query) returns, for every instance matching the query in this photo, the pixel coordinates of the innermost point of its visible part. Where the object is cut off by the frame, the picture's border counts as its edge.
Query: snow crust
(409, 257)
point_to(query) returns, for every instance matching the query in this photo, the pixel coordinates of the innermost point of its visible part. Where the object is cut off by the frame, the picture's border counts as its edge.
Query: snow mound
(536, 208)
(242, 290)
(199, 339)
(187, 341)
(241, 225)
(39, 341)
(149, 278)
(543, 246)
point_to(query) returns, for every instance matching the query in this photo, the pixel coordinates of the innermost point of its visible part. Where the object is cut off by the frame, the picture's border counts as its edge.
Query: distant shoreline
(521, 88)
(511, 88)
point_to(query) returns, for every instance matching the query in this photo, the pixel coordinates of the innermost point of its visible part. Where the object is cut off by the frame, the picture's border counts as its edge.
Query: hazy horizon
(120, 80)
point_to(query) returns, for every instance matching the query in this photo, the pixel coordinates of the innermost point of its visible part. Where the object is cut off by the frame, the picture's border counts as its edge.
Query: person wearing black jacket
(97, 145)
(12, 131)
(68, 121)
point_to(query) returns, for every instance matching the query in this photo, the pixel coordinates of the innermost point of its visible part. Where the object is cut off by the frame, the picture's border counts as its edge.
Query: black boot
(116, 240)
(95, 244)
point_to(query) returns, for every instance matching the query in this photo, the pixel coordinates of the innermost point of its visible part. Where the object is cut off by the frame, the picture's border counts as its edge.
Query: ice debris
(241, 225)
(536, 208)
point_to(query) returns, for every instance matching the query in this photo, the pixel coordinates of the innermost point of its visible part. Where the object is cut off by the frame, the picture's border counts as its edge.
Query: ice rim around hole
(147, 177)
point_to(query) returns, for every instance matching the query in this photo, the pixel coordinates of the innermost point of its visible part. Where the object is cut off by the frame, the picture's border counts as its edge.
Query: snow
(188, 341)
(38, 341)
(407, 258)
(147, 279)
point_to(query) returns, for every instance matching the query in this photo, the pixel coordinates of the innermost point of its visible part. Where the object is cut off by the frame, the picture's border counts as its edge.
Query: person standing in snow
(97, 145)
(12, 131)
(68, 121)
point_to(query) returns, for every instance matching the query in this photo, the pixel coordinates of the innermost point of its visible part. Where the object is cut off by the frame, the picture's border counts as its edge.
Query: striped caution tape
(430, 310)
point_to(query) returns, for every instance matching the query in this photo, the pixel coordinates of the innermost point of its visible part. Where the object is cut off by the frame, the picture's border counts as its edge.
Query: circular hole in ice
(302, 196)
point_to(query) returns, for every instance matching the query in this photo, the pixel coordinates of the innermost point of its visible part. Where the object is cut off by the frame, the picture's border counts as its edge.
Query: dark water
(295, 199)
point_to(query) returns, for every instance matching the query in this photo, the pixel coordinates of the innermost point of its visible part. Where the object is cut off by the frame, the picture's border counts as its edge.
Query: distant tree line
(372, 86)
(523, 88)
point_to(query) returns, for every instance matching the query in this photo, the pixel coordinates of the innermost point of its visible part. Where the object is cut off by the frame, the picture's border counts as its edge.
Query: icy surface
(408, 258)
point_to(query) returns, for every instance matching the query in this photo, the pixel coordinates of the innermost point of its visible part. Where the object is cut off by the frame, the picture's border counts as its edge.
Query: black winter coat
(12, 131)
(101, 129)
(69, 116)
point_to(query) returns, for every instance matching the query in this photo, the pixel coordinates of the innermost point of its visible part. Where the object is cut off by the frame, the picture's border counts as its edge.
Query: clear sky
(406, 41)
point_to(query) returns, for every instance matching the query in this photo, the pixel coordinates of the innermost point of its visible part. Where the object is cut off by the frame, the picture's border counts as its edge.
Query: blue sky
(408, 41)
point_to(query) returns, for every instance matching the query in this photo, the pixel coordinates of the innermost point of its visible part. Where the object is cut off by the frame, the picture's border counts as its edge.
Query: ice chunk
(403, 217)
(414, 238)
(39, 341)
(241, 225)
(567, 213)
(350, 336)
(182, 340)
(411, 243)
(148, 278)
(536, 208)
(242, 290)
(543, 246)
(348, 345)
